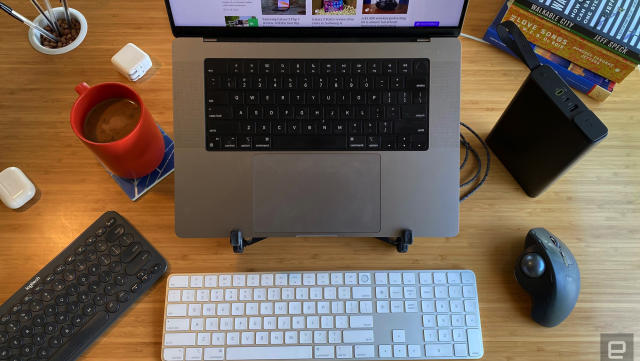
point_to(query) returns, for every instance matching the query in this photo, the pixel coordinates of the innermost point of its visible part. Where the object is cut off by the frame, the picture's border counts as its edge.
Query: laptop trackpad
(316, 193)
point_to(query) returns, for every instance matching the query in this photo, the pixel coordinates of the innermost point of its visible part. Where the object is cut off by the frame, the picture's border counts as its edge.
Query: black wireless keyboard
(80, 293)
(328, 104)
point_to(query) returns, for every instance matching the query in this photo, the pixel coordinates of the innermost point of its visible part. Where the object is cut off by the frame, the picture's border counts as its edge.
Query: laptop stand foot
(238, 243)
(402, 243)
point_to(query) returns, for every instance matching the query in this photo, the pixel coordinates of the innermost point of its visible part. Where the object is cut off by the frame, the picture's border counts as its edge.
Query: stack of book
(592, 44)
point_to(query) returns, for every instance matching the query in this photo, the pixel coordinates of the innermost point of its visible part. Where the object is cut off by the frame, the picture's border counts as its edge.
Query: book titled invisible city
(611, 24)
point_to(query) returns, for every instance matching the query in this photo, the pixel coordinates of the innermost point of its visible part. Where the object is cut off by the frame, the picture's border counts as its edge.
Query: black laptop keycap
(67, 305)
(330, 104)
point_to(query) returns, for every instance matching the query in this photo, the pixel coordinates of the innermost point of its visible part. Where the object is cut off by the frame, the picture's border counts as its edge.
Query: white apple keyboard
(372, 315)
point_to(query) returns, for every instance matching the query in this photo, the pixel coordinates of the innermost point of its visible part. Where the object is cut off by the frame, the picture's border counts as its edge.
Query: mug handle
(82, 88)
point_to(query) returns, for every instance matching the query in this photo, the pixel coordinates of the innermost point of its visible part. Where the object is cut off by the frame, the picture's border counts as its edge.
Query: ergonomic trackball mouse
(548, 271)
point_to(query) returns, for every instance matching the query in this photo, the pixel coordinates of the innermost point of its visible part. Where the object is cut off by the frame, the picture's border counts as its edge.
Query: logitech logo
(32, 283)
(616, 346)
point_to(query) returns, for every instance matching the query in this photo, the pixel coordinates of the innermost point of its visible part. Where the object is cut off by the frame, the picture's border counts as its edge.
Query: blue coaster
(135, 188)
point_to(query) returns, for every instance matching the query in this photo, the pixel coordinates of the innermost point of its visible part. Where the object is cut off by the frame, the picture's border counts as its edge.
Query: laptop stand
(402, 243)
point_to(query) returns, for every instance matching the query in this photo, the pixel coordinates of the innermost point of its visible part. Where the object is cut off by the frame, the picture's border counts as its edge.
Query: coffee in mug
(111, 120)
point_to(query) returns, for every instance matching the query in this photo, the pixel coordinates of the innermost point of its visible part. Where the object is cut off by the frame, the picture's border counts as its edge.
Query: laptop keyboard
(328, 104)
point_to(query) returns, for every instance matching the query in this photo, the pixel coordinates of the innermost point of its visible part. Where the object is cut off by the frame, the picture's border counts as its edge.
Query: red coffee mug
(133, 156)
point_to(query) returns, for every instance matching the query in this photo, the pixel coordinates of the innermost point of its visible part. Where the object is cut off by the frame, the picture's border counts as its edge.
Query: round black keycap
(104, 259)
(101, 246)
(13, 326)
(110, 289)
(94, 286)
(83, 279)
(39, 320)
(81, 249)
(15, 342)
(61, 318)
(101, 231)
(26, 331)
(25, 316)
(141, 274)
(91, 255)
(123, 296)
(27, 298)
(126, 239)
(16, 308)
(115, 250)
(36, 306)
(60, 268)
(50, 328)
(50, 278)
(61, 300)
(43, 353)
(3, 337)
(99, 299)
(156, 268)
(47, 296)
(55, 341)
(119, 280)
(80, 265)
(113, 234)
(77, 320)
(83, 297)
(39, 288)
(73, 289)
(69, 259)
(112, 306)
(66, 330)
(110, 222)
(116, 267)
(106, 276)
(50, 310)
(135, 287)
(5, 318)
(73, 307)
(89, 310)
(94, 268)
(58, 285)
(69, 275)
(39, 338)
(26, 350)
(91, 240)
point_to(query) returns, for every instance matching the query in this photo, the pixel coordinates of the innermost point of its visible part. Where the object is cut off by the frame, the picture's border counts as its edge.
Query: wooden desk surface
(594, 208)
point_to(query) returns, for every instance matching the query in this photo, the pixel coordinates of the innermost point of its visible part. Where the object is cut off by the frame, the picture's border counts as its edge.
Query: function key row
(326, 66)
(311, 279)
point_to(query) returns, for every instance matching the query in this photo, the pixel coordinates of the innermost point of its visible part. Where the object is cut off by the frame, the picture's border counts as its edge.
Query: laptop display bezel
(214, 32)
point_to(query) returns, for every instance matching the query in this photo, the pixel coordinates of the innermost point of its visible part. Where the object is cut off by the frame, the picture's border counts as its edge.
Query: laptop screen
(307, 14)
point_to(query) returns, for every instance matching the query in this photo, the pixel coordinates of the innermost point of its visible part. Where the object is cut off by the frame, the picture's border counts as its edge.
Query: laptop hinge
(318, 40)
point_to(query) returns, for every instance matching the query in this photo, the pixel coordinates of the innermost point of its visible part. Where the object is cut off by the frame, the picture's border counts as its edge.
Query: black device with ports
(387, 5)
(548, 271)
(546, 128)
(70, 302)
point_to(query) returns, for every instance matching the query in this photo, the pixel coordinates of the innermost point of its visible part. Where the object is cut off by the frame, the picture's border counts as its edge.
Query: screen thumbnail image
(375, 7)
(334, 7)
(284, 7)
(241, 21)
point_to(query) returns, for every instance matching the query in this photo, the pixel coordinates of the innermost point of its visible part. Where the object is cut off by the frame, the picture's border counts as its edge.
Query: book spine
(569, 46)
(576, 27)
(594, 85)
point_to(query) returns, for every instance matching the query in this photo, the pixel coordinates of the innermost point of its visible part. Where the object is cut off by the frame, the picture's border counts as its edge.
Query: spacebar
(269, 353)
(309, 142)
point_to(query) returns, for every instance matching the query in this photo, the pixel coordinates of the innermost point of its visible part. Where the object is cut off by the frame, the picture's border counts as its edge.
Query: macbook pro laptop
(336, 119)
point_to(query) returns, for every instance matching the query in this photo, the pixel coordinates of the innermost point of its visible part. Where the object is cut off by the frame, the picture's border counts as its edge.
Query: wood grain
(594, 208)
